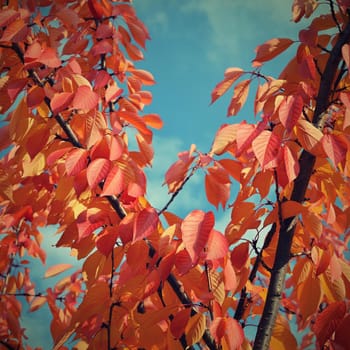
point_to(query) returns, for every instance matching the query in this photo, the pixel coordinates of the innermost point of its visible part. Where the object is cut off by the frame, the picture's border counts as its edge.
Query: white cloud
(234, 25)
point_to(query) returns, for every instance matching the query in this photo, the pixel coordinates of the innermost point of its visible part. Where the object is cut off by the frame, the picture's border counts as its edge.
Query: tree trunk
(306, 162)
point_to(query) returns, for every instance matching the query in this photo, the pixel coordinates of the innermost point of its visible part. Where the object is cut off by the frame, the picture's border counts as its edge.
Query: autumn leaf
(266, 147)
(76, 161)
(97, 171)
(328, 320)
(217, 246)
(85, 99)
(290, 111)
(56, 269)
(195, 229)
(240, 94)
(231, 75)
(145, 223)
(270, 49)
(195, 328)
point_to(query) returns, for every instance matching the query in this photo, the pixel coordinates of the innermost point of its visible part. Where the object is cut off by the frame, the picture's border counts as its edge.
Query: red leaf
(179, 322)
(85, 98)
(105, 241)
(328, 320)
(290, 161)
(145, 223)
(49, 58)
(239, 256)
(231, 75)
(114, 183)
(270, 49)
(60, 101)
(266, 147)
(342, 333)
(290, 111)
(76, 161)
(35, 96)
(97, 171)
(234, 335)
(334, 149)
(195, 229)
(89, 220)
(183, 262)
(217, 245)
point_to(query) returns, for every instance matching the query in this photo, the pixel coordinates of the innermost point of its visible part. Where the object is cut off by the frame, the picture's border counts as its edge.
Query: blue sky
(193, 42)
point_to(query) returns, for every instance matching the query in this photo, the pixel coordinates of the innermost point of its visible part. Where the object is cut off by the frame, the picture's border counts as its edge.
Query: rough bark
(306, 162)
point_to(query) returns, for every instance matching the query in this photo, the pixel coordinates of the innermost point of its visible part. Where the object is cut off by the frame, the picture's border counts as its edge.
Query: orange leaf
(282, 338)
(234, 335)
(114, 183)
(217, 193)
(195, 328)
(60, 101)
(309, 295)
(145, 223)
(49, 58)
(195, 229)
(240, 94)
(97, 171)
(37, 303)
(231, 75)
(225, 136)
(76, 161)
(266, 147)
(217, 245)
(56, 269)
(85, 98)
(270, 49)
(291, 209)
(290, 111)
(230, 278)
(105, 241)
(179, 322)
(134, 120)
(146, 77)
(153, 120)
(310, 137)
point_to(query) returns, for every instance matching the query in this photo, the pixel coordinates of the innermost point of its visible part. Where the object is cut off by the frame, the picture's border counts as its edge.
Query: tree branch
(306, 163)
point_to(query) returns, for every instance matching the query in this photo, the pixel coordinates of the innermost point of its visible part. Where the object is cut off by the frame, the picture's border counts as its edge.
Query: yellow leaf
(282, 338)
(56, 269)
(194, 329)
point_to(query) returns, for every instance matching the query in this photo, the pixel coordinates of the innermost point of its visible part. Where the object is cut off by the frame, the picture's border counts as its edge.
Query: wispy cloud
(230, 33)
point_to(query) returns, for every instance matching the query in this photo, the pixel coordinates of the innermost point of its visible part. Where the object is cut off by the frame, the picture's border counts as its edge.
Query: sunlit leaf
(195, 229)
(266, 147)
(240, 94)
(195, 328)
(231, 75)
(270, 49)
(145, 223)
(56, 269)
(217, 245)
(290, 111)
(97, 171)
